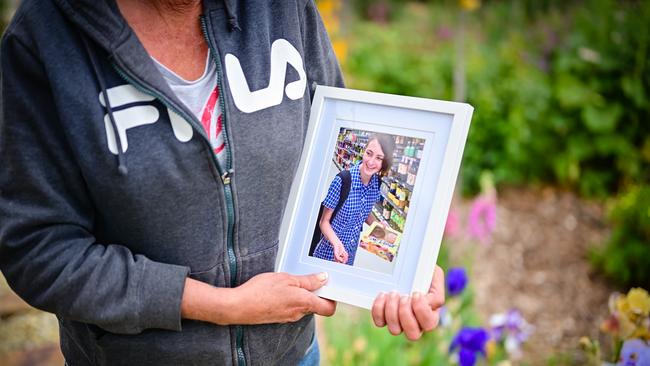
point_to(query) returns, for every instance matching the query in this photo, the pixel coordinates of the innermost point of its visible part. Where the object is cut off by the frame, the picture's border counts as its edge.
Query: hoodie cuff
(160, 296)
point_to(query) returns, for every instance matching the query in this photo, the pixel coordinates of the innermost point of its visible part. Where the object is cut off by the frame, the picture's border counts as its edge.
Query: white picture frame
(441, 125)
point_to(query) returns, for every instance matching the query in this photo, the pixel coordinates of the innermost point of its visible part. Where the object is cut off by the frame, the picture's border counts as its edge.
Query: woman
(341, 235)
(137, 165)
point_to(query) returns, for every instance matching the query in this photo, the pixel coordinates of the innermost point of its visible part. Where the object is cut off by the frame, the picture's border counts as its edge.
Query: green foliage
(601, 80)
(388, 59)
(625, 255)
(561, 95)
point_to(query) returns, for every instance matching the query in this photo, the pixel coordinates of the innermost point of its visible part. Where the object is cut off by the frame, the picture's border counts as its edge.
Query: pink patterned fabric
(213, 124)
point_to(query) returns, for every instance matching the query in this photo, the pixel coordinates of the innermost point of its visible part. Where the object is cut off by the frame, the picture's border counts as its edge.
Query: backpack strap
(346, 183)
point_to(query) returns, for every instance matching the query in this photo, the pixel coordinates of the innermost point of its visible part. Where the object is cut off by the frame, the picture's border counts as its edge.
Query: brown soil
(537, 263)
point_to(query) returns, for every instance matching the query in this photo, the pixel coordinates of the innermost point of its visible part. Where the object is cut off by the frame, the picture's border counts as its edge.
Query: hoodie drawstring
(121, 159)
(233, 24)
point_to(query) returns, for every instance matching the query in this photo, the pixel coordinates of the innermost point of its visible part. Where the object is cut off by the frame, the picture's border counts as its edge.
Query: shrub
(625, 255)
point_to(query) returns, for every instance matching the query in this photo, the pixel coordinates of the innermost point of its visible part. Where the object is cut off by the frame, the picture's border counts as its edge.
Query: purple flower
(456, 281)
(512, 329)
(482, 218)
(469, 342)
(635, 352)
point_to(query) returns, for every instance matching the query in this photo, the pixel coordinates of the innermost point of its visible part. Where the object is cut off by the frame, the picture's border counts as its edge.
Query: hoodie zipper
(225, 172)
(230, 205)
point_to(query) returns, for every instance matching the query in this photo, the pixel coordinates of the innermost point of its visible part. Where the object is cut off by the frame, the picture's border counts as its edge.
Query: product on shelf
(381, 241)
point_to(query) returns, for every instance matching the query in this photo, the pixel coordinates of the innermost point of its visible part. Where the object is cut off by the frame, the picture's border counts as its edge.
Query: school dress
(348, 222)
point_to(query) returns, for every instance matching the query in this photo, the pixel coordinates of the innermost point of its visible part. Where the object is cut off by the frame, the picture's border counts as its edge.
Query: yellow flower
(359, 345)
(639, 302)
(470, 5)
(340, 49)
(490, 349)
(618, 325)
(626, 327)
(641, 333)
(622, 306)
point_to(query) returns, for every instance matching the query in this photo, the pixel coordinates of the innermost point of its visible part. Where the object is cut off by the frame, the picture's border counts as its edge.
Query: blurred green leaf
(601, 120)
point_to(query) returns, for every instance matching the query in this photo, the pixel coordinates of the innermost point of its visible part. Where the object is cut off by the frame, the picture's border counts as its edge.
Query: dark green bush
(601, 82)
(560, 96)
(626, 255)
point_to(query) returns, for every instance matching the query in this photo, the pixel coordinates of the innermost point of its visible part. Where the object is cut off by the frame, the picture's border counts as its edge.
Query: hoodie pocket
(197, 344)
(258, 262)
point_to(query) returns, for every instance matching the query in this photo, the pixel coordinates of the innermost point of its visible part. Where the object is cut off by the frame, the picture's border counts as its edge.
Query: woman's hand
(340, 254)
(414, 314)
(265, 298)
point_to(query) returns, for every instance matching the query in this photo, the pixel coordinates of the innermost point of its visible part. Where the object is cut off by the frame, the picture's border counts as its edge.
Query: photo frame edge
(459, 111)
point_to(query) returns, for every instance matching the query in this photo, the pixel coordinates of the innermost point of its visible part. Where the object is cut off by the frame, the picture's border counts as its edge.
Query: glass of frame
(386, 212)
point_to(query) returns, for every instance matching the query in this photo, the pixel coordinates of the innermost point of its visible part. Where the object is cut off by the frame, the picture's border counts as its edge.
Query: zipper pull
(225, 177)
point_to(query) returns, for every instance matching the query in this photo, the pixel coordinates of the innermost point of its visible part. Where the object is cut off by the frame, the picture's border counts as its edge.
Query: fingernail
(404, 300)
(381, 295)
(322, 276)
(416, 296)
(394, 294)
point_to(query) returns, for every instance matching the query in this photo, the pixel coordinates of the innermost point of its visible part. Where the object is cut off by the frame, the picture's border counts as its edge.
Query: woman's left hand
(414, 314)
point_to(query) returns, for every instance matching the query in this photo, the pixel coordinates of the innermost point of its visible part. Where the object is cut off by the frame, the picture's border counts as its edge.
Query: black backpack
(346, 182)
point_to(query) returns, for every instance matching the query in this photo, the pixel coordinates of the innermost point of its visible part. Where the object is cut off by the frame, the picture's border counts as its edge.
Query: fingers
(408, 320)
(436, 295)
(340, 254)
(411, 315)
(322, 306)
(378, 310)
(426, 317)
(392, 314)
(312, 282)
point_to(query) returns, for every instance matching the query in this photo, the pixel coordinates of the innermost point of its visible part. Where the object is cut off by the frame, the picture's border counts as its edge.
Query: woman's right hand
(266, 298)
(340, 254)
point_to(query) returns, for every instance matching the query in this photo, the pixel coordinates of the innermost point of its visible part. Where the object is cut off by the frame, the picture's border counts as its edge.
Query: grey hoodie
(102, 227)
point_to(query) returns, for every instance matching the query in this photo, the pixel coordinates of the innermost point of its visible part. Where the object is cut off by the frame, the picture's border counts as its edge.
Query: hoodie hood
(103, 24)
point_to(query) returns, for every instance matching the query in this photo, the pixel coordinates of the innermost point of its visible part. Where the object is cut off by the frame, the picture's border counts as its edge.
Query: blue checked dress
(349, 220)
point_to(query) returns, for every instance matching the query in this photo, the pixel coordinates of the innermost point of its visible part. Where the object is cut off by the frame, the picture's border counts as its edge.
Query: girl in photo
(340, 236)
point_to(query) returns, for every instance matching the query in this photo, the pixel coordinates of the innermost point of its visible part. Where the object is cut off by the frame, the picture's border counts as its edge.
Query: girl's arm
(340, 254)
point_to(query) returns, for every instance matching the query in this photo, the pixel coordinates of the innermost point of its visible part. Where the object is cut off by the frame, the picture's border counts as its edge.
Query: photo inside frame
(369, 217)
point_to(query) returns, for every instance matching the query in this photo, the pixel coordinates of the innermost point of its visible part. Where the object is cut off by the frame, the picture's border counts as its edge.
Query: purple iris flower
(512, 329)
(635, 352)
(456, 280)
(469, 342)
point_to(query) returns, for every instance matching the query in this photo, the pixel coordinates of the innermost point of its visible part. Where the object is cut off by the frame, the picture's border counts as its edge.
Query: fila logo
(135, 116)
(282, 55)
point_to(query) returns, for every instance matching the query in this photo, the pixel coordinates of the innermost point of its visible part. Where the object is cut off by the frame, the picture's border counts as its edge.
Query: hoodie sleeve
(48, 253)
(320, 60)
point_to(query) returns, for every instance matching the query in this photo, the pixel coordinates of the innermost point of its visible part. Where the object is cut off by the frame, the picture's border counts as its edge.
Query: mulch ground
(537, 263)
